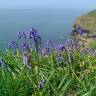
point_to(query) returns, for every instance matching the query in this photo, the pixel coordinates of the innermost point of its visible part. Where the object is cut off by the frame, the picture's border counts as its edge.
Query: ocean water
(55, 24)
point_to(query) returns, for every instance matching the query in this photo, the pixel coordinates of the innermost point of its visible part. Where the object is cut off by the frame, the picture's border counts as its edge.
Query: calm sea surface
(54, 25)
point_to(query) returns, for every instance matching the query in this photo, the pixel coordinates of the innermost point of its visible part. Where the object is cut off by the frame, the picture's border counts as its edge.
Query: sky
(55, 4)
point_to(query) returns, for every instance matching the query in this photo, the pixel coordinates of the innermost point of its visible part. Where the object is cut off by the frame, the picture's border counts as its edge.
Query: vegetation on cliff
(88, 22)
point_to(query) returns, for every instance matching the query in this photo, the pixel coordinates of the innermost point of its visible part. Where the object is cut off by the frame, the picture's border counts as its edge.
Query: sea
(52, 24)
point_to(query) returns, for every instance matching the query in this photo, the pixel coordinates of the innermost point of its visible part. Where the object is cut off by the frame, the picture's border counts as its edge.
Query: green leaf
(62, 81)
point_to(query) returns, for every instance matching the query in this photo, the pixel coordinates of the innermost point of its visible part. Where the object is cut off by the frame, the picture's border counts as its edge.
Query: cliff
(88, 22)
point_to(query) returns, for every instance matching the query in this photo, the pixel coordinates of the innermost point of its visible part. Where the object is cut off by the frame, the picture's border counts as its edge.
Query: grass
(92, 44)
(92, 13)
(72, 74)
(64, 79)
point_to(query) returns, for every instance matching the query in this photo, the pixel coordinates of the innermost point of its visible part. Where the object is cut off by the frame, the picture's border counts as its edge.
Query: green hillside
(88, 21)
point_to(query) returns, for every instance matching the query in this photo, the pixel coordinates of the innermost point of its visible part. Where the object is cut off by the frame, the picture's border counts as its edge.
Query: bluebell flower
(19, 35)
(49, 43)
(41, 83)
(12, 45)
(48, 48)
(80, 31)
(22, 36)
(61, 52)
(61, 47)
(30, 33)
(1, 62)
(61, 58)
(69, 43)
(71, 56)
(36, 37)
(45, 51)
(58, 59)
(25, 59)
(24, 47)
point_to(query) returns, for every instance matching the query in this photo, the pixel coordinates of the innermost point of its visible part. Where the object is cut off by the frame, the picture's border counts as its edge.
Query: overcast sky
(77, 4)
